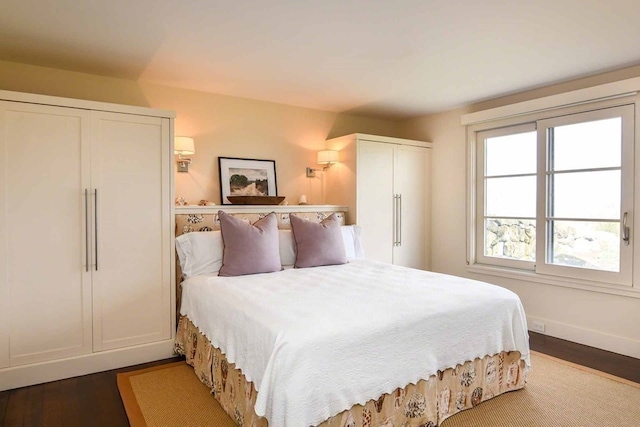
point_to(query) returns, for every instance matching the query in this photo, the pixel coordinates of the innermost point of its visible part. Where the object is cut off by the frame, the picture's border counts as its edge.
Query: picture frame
(246, 177)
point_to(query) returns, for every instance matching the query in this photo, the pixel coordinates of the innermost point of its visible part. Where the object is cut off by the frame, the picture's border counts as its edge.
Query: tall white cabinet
(386, 184)
(85, 237)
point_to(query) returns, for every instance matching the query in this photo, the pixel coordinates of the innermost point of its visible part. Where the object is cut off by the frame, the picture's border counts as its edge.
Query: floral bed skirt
(425, 404)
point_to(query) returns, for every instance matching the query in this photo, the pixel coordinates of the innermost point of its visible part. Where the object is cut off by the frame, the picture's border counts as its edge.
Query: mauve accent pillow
(318, 243)
(249, 249)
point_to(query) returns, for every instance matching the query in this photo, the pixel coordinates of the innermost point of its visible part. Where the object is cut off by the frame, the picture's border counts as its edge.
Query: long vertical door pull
(399, 219)
(95, 224)
(86, 229)
(395, 220)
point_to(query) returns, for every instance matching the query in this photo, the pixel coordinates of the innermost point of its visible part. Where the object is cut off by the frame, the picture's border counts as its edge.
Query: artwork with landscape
(246, 177)
(248, 182)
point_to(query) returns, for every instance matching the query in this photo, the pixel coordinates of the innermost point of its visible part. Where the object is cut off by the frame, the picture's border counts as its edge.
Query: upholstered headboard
(208, 221)
(190, 219)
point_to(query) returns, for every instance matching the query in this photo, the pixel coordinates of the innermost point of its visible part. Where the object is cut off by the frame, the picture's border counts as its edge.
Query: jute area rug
(558, 394)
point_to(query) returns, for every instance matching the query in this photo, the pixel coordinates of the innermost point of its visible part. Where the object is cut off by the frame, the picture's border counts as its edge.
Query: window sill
(530, 276)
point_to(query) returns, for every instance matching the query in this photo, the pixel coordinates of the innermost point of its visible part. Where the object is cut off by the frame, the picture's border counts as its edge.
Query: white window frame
(480, 193)
(477, 263)
(624, 276)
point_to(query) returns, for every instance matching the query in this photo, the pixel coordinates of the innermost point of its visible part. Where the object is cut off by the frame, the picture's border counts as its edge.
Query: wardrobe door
(130, 199)
(410, 183)
(375, 199)
(45, 289)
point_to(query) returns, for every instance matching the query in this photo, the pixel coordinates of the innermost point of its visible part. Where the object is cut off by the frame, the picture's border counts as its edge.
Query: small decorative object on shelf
(180, 201)
(303, 200)
(204, 202)
(255, 200)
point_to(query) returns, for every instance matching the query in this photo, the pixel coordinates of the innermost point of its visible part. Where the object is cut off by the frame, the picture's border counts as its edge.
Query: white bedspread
(368, 326)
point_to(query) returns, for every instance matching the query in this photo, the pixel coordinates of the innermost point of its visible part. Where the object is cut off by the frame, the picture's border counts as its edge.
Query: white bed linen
(368, 326)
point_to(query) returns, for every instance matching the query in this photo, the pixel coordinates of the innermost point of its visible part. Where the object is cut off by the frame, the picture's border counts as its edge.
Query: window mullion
(541, 197)
(550, 199)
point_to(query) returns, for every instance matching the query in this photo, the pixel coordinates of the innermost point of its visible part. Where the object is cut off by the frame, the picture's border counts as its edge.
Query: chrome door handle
(400, 220)
(395, 220)
(86, 229)
(95, 224)
(625, 229)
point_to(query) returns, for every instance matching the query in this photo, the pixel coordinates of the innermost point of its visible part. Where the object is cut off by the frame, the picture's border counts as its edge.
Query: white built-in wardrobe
(385, 182)
(85, 237)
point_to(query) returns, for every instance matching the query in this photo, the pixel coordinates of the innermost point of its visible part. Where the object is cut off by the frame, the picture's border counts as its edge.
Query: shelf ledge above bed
(195, 209)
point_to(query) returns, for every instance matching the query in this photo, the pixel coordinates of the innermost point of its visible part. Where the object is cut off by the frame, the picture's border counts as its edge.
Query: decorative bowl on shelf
(255, 200)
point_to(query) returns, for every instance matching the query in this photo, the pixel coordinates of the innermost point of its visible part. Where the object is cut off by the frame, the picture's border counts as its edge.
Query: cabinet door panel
(411, 184)
(131, 276)
(45, 290)
(375, 199)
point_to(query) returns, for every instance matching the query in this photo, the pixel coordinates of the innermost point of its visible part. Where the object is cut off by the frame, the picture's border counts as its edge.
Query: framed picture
(246, 177)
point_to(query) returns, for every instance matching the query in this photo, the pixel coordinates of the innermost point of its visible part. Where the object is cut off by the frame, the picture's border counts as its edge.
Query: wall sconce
(325, 157)
(183, 145)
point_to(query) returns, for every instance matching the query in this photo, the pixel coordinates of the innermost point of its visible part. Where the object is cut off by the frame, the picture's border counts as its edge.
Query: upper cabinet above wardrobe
(385, 182)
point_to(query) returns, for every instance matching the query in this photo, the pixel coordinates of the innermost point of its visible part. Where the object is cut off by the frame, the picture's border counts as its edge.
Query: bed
(356, 344)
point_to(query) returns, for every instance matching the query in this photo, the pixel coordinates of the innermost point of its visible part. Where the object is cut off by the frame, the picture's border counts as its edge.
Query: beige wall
(221, 126)
(596, 319)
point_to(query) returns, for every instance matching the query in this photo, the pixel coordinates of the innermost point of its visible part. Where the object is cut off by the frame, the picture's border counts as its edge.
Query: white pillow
(352, 244)
(200, 252)
(287, 248)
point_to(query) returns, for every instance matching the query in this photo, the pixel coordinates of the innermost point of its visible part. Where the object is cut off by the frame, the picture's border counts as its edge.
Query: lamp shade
(183, 145)
(326, 157)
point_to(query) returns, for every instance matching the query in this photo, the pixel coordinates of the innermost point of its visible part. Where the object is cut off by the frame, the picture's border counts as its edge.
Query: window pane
(511, 154)
(510, 238)
(588, 145)
(511, 197)
(587, 195)
(594, 245)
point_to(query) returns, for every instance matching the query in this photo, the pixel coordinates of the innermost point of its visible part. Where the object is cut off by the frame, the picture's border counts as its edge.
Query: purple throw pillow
(249, 249)
(318, 243)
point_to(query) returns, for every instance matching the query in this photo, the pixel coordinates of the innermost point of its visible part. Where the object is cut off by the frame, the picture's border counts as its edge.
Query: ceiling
(393, 59)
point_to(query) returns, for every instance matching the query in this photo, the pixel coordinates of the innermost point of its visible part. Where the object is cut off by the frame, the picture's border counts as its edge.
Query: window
(507, 185)
(555, 195)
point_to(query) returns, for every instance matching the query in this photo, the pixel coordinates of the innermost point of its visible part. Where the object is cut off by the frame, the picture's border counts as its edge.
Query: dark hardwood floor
(90, 400)
(93, 400)
(602, 360)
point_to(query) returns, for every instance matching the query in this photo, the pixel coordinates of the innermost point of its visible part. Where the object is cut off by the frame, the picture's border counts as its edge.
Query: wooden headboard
(189, 219)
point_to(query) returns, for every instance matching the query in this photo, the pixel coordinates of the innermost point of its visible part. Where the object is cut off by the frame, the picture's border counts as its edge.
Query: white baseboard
(604, 341)
(37, 373)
